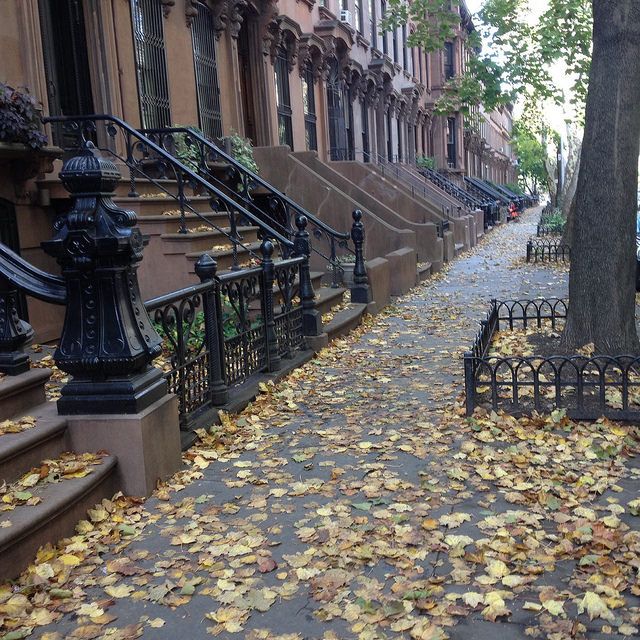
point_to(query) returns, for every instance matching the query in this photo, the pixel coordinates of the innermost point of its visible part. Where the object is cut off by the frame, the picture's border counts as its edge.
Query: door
(338, 124)
(66, 61)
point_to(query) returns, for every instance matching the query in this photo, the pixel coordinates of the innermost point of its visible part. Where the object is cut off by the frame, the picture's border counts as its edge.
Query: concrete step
(200, 241)
(224, 257)
(19, 393)
(345, 321)
(424, 271)
(159, 224)
(19, 452)
(62, 505)
(156, 204)
(459, 247)
(328, 298)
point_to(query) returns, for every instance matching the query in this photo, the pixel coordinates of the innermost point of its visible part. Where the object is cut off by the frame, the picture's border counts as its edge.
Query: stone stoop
(24, 529)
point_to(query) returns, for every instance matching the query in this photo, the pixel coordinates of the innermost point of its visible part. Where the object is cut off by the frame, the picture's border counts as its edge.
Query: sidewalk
(355, 501)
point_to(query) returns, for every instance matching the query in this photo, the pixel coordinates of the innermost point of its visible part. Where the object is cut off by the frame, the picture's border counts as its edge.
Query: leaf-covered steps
(47, 502)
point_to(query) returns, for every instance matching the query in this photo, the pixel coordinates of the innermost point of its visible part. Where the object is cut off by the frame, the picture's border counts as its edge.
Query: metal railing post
(268, 278)
(15, 333)
(206, 269)
(360, 291)
(311, 318)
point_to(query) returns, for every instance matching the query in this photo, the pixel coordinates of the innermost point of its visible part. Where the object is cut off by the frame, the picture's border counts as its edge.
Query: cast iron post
(360, 292)
(15, 333)
(108, 341)
(268, 276)
(311, 318)
(206, 269)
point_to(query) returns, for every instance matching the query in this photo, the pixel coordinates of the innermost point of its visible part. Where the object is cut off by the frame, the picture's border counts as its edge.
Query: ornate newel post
(360, 292)
(206, 269)
(311, 318)
(15, 334)
(268, 278)
(108, 341)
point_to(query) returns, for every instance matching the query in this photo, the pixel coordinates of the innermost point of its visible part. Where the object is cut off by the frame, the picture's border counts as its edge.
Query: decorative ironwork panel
(288, 310)
(179, 320)
(151, 63)
(204, 58)
(539, 250)
(243, 325)
(587, 387)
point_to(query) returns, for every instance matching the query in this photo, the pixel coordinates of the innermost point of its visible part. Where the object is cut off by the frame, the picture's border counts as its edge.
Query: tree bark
(569, 208)
(601, 280)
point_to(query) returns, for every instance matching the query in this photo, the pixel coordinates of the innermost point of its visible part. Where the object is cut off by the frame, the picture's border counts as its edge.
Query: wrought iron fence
(231, 326)
(587, 387)
(548, 250)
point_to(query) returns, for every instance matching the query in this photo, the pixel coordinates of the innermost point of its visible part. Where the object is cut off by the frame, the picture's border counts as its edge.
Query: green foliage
(430, 34)
(532, 169)
(242, 151)
(515, 188)
(427, 162)
(185, 150)
(554, 221)
(520, 53)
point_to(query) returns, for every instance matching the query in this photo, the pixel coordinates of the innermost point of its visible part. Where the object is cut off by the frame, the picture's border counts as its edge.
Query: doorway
(66, 61)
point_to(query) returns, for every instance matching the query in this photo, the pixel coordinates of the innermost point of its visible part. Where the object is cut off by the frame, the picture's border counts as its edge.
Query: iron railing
(225, 173)
(172, 176)
(231, 326)
(586, 387)
(554, 250)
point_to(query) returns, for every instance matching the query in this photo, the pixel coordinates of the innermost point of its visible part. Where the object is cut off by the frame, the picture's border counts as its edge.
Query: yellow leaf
(554, 607)
(496, 607)
(69, 560)
(472, 598)
(497, 569)
(119, 591)
(595, 606)
(156, 623)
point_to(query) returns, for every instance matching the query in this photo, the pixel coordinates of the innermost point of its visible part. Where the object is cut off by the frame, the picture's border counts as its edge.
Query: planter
(22, 163)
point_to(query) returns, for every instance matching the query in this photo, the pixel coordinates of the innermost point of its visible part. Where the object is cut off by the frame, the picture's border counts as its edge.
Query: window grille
(283, 98)
(206, 70)
(151, 63)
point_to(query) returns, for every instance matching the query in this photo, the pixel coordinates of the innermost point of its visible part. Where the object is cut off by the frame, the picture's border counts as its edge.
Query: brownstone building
(312, 75)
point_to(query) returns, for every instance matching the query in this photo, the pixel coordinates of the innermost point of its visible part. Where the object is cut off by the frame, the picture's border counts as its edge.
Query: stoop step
(63, 505)
(345, 321)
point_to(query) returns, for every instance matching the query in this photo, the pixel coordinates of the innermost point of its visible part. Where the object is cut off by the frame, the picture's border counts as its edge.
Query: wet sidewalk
(354, 500)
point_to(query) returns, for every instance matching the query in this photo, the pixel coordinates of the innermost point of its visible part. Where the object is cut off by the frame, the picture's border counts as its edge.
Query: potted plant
(20, 126)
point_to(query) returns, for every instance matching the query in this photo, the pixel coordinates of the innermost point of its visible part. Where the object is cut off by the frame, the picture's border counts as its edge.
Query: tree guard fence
(548, 251)
(587, 387)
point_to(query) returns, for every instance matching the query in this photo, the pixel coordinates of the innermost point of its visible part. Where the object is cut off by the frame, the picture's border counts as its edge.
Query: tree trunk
(569, 208)
(602, 276)
(552, 185)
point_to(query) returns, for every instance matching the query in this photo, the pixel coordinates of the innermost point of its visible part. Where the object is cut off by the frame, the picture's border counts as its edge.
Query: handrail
(483, 186)
(253, 176)
(450, 187)
(24, 276)
(176, 163)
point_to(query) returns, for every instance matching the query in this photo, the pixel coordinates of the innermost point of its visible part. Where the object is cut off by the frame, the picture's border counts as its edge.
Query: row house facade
(310, 74)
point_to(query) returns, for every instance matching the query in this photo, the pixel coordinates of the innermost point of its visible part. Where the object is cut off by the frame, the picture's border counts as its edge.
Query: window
(357, 10)
(389, 140)
(451, 143)
(204, 60)
(383, 11)
(420, 56)
(405, 51)
(283, 98)
(399, 131)
(151, 63)
(373, 27)
(364, 116)
(449, 60)
(394, 36)
(309, 104)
